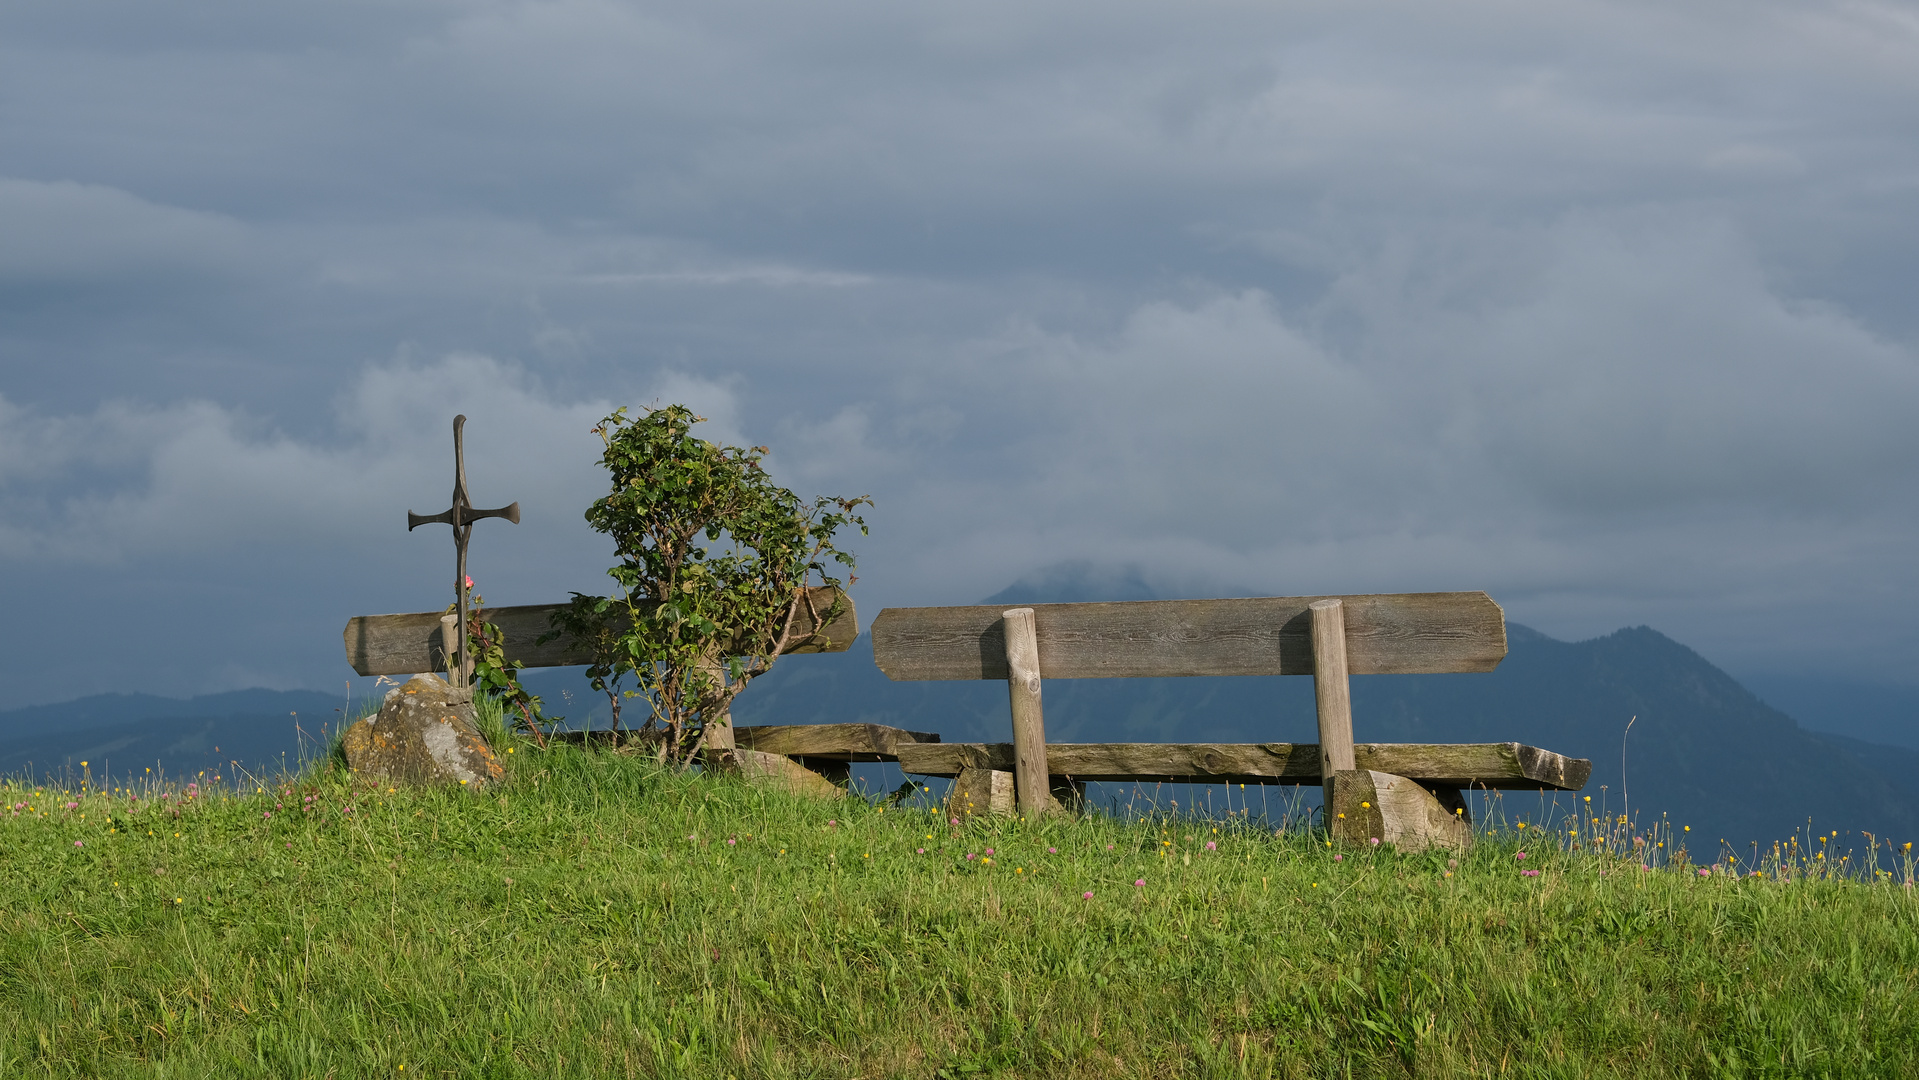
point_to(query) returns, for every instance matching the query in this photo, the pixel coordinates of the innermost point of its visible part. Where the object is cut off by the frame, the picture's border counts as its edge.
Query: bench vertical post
(719, 729)
(1331, 694)
(1032, 783)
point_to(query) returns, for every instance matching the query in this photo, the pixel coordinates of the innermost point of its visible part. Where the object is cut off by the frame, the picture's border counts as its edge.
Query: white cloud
(196, 480)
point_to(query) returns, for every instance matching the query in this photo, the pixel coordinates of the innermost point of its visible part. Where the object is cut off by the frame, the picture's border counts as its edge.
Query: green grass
(597, 918)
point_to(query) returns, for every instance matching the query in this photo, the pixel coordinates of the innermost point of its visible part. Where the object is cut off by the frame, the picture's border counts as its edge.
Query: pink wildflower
(1140, 884)
(1521, 855)
(79, 843)
(1211, 846)
(1085, 896)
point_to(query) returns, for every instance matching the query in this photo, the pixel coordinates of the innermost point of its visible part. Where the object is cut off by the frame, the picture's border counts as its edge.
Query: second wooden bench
(1404, 794)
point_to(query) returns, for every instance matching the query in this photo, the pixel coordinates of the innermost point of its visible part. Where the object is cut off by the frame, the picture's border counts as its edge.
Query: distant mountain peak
(1519, 634)
(1076, 581)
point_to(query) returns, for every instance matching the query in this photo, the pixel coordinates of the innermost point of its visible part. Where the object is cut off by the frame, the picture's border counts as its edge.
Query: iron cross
(461, 516)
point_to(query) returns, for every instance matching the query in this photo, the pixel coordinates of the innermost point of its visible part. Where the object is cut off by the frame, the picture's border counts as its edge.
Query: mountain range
(126, 735)
(1702, 749)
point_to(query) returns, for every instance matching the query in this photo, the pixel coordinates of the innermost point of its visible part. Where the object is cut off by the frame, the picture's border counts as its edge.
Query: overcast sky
(1611, 310)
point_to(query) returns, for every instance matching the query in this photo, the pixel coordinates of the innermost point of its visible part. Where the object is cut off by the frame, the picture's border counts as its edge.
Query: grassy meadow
(595, 917)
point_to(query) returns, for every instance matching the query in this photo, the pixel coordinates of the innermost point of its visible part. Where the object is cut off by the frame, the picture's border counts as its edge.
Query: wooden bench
(418, 642)
(1404, 794)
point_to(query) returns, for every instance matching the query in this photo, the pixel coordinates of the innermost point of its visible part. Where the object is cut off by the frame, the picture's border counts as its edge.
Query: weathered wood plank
(1391, 633)
(410, 644)
(1510, 766)
(839, 742)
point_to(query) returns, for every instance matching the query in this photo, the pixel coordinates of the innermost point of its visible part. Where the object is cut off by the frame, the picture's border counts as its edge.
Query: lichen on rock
(423, 735)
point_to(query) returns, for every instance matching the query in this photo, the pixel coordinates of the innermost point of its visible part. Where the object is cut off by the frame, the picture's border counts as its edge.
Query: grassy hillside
(595, 918)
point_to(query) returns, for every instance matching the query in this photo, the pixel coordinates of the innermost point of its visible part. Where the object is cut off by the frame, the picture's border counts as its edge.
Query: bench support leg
(1331, 695)
(1029, 723)
(835, 772)
(819, 777)
(1067, 795)
(719, 731)
(1372, 808)
(1454, 801)
(987, 792)
(776, 771)
(991, 792)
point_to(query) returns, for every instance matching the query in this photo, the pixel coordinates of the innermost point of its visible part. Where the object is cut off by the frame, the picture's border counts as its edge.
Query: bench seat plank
(1511, 766)
(1390, 633)
(409, 644)
(835, 742)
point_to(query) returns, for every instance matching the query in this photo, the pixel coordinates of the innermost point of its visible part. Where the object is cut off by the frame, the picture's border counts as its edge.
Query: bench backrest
(1390, 633)
(413, 643)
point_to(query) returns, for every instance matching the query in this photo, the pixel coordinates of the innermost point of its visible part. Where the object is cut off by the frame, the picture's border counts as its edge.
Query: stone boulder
(424, 734)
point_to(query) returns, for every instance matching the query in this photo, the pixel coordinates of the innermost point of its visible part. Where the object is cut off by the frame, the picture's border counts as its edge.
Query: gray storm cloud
(1604, 308)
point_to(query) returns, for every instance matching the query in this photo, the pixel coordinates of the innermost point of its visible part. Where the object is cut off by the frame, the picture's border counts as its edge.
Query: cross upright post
(461, 515)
